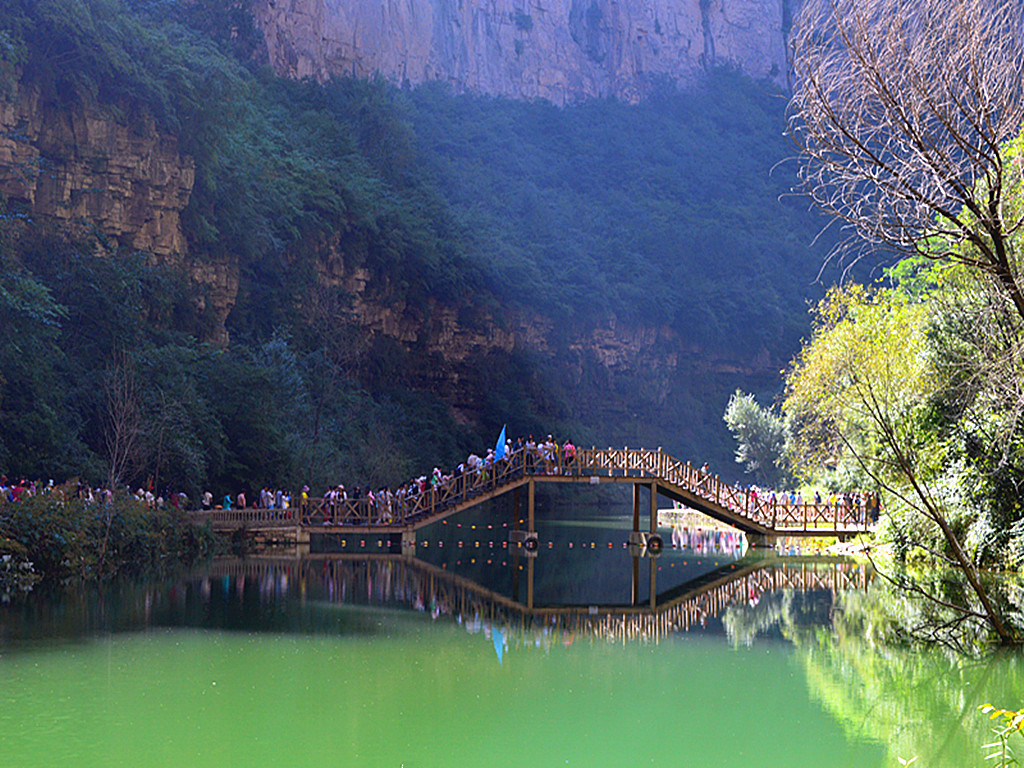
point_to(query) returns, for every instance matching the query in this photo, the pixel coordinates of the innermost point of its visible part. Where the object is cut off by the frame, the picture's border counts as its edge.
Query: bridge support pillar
(653, 580)
(408, 542)
(654, 508)
(403, 542)
(761, 540)
(636, 508)
(528, 540)
(517, 508)
(531, 498)
(644, 543)
(301, 535)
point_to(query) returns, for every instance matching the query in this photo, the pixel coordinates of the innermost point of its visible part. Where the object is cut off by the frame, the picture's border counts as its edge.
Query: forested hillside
(372, 280)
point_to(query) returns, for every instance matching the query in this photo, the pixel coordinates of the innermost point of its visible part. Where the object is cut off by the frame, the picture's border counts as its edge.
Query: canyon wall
(559, 50)
(87, 171)
(84, 171)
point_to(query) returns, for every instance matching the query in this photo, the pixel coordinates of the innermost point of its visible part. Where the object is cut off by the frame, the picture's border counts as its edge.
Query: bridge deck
(664, 474)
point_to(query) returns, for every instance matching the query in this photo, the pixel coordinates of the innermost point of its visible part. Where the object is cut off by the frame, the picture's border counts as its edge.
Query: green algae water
(415, 695)
(372, 659)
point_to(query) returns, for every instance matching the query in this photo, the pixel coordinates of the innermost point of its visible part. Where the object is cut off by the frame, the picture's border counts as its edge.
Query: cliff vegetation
(354, 281)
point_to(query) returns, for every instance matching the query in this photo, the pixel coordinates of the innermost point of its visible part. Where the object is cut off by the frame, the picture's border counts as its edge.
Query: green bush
(67, 538)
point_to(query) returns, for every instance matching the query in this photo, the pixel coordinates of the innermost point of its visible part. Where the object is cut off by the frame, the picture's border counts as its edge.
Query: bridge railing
(404, 507)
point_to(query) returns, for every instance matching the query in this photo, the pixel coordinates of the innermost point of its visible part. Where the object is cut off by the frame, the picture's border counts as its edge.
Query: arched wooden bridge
(757, 516)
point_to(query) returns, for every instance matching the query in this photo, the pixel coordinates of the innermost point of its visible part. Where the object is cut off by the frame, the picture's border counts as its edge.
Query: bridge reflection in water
(392, 580)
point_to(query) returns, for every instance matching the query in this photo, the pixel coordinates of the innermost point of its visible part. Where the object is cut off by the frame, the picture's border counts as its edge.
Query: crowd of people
(528, 455)
(865, 506)
(12, 491)
(478, 471)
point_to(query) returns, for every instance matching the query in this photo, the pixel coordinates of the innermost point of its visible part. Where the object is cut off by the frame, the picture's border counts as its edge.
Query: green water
(417, 694)
(387, 662)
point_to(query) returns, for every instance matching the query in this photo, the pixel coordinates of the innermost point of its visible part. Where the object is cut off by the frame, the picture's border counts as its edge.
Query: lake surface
(374, 659)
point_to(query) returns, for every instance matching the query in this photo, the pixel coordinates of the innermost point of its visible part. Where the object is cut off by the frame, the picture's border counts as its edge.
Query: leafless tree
(123, 424)
(901, 110)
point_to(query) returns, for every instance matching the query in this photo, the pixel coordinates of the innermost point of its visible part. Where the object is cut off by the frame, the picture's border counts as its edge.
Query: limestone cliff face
(82, 168)
(610, 366)
(559, 50)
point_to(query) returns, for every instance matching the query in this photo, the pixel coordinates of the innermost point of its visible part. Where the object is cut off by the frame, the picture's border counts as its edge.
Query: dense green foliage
(64, 538)
(760, 437)
(662, 215)
(914, 389)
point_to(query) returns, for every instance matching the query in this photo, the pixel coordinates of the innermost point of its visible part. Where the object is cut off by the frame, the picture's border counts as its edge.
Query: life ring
(531, 543)
(654, 543)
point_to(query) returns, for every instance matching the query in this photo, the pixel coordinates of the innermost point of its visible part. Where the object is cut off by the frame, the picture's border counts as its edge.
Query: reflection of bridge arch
(391, 579)
(658, 471)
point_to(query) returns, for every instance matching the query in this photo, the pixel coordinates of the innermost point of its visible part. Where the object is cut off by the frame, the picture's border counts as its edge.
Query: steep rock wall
(82, 168)
(603, 373)
(559, 50)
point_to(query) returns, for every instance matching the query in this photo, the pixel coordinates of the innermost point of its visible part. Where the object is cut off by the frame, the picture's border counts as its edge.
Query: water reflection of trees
(305, 595)
(920, 701)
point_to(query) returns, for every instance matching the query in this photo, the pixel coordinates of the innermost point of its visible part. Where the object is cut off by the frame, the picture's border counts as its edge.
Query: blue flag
(499, 643)
(499, 449)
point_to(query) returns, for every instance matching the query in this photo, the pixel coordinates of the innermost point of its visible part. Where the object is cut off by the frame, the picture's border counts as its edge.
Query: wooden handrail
(461, 490)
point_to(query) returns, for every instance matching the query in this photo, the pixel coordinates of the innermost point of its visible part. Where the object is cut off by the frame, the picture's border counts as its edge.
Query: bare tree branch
(900, 109)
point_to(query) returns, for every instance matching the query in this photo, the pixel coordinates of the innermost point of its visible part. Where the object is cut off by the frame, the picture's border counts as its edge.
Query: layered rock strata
(559, 50)
(86, 171)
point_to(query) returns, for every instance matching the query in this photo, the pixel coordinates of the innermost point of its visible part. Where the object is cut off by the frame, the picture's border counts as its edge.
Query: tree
(122, 429)
(901, 110)
(864, 384)
(760, 436)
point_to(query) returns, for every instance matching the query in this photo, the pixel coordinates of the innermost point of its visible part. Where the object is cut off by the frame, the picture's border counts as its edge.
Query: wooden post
(515, 573)
(636, 507)
(529, 581)
(529, 510)
(654, 508)
(635, 594)
(516, 508)
(654, 580)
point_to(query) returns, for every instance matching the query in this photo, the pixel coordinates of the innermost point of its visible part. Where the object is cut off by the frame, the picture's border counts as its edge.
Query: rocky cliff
(559, 50)
(87, 171)
(607, 371)
(82, 170)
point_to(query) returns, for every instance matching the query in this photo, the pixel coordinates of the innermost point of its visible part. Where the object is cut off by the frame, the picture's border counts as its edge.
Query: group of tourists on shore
(12, 491)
